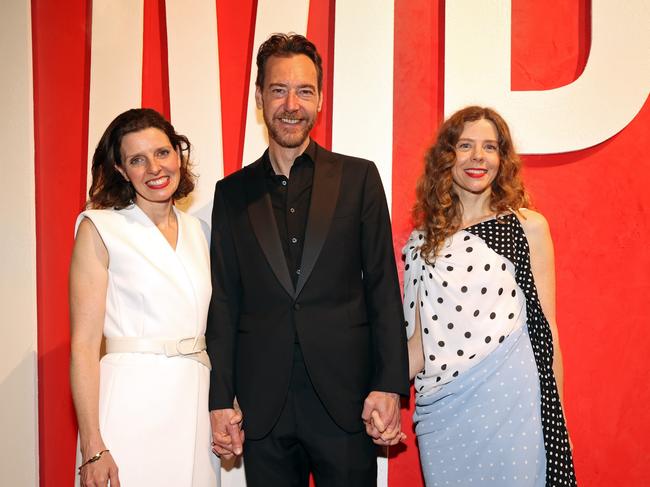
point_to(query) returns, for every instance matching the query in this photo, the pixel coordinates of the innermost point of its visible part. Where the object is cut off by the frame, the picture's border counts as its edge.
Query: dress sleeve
(413, 272)
(92, 215)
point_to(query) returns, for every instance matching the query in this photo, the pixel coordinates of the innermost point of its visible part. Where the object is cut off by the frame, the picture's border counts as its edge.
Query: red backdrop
(593, 199)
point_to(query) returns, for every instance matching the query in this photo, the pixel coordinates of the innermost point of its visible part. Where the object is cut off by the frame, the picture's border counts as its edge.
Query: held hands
(227, 435)
(382, 418)
(100, 472)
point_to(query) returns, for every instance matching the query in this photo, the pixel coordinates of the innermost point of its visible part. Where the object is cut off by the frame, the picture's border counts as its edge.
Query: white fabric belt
(192, 348)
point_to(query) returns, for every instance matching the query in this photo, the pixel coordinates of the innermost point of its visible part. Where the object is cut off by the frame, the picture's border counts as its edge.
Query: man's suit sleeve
(383, 299)
(223, 315)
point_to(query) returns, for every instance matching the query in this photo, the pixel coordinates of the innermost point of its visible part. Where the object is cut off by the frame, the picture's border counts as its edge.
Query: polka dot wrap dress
(487, 407)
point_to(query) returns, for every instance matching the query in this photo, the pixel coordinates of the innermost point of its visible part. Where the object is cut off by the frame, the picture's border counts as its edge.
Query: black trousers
(306, 439)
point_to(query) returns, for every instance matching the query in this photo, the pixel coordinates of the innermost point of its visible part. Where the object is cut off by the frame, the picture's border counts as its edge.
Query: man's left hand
(381, 416)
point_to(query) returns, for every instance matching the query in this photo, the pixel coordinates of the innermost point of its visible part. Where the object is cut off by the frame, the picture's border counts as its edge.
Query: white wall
(18, 390)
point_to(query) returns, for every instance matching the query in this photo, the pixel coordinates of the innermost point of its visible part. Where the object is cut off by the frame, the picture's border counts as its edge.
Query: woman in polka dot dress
(479, 287)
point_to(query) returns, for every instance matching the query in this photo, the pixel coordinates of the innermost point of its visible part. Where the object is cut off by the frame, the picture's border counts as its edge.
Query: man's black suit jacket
(345, 308)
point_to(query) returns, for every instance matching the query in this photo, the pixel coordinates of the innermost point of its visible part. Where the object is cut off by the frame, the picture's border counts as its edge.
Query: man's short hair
(287, 45)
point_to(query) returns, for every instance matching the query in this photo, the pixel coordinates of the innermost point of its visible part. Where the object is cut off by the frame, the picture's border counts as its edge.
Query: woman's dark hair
(287, 45)
(109, 189)
(438, 211)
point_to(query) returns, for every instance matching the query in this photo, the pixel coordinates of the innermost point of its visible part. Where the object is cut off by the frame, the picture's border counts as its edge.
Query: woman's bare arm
(542, 261)
(88, 285)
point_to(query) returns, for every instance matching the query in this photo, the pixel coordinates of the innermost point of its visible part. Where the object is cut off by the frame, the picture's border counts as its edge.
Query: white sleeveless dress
(153, 409)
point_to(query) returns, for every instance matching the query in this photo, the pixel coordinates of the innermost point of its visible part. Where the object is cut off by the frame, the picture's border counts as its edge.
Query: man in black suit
(305, 330)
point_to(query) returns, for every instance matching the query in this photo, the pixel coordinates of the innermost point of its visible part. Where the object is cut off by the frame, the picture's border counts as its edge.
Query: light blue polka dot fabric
(484, 428)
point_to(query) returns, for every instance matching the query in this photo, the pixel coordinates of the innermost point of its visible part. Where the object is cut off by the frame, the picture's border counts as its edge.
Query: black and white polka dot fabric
(468, 302)
(478, 291)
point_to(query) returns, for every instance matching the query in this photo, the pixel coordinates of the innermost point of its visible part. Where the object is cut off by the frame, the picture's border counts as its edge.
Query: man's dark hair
(287, 45)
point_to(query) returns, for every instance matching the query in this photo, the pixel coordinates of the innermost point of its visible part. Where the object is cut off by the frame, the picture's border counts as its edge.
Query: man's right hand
(381, 415)
(227, 435)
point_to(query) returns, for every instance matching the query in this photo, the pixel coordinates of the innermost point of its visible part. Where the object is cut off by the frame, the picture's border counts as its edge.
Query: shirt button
(294, 240)
(298, 271)
(292, 210)
(284, 182)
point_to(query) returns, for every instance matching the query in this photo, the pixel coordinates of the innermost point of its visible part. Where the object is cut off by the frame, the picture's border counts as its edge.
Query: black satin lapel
(324, 195)
(265, 227)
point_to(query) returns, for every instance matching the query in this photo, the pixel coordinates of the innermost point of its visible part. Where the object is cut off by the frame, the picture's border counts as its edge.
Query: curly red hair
(438, 211)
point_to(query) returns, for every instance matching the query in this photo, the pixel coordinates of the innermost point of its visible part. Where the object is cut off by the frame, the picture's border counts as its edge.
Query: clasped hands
(380, 414)
(227, 432)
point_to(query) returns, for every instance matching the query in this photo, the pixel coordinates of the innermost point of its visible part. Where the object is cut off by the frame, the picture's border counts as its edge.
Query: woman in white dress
(140, 279)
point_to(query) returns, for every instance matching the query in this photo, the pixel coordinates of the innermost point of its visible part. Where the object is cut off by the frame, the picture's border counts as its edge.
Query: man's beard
(288, 140)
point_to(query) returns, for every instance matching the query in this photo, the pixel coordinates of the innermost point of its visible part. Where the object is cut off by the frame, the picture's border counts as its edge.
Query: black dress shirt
(290, 199)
